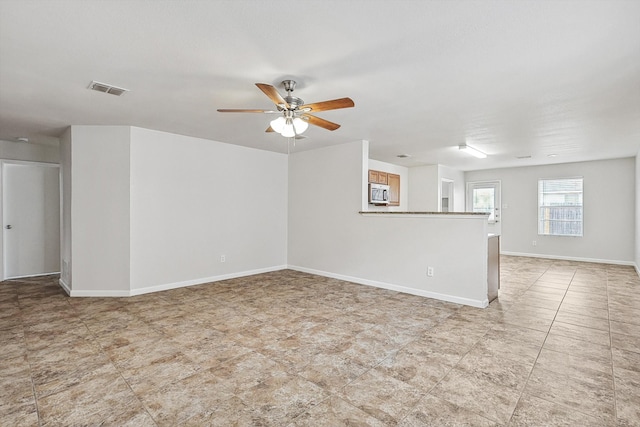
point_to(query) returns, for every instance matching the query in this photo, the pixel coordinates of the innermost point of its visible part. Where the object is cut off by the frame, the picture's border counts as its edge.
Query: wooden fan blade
(317, 121)
(334, 104)
(269, 129)
(242, 110)
(273, 94)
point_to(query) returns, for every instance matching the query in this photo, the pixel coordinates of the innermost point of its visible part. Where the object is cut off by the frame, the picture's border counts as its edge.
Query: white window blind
(560, 207)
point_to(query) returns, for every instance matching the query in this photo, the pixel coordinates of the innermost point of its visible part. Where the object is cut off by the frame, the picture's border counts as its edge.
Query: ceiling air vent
(106, 88)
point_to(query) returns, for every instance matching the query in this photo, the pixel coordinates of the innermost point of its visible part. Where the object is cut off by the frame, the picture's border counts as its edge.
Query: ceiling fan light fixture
(278, 124)
(288, 130)
(470, 150)
(300, 125)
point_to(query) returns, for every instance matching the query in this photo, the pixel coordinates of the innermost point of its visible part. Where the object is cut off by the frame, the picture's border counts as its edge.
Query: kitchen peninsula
(492, 283)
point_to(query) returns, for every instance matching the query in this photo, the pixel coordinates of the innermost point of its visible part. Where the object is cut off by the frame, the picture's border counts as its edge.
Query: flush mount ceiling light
(294, 114)
(107, 88)
(470, 150)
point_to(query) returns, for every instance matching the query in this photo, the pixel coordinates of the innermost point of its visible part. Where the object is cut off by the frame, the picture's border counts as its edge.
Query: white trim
(32, 275)
(165, 286)
(443, 297)
(175, 285)
(570, 258)
(99, 293)
(65, 286)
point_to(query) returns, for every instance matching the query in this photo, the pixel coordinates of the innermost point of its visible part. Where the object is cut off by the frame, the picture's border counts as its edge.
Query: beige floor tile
(518, 333)
(625, 329)
(626, 342)
(268, 349)
(594, 336)
(381, 396)
(572, 308)
(18, 415)
(332, 371)
(86, 403)
(477, 395)
(532, 411)
(597, 353)
(503, 371)
(418, 364)
(575, 393)
(335, 412)
(506, 347)
(582, 320)
(624, 359)
(597, 373)
(432, 411)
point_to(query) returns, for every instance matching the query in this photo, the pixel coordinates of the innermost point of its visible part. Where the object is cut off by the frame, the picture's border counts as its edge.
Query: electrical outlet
(534, 243)
(222, 258)
(430, 271)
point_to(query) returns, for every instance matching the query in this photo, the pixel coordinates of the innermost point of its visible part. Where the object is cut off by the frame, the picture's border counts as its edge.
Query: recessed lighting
(22, 139)
(403, 156)
(523, 157)
(552, 155)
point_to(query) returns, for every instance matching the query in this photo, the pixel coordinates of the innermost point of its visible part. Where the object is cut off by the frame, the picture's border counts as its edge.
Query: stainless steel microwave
(378, 194)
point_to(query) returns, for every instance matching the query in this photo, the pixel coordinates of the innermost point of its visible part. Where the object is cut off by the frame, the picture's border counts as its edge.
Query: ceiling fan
(295, 115)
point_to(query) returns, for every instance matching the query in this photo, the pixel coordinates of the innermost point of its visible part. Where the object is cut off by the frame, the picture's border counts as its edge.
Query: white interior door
(485, 197)
(31, 219)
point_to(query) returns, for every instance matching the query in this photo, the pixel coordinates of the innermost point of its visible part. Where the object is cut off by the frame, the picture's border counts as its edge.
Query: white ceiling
(512, 78)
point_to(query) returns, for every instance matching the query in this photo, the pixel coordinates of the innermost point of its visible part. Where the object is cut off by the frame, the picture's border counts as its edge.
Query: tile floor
(561, 346)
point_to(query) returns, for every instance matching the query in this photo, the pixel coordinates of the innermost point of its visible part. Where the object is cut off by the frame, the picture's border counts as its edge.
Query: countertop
(423, 213)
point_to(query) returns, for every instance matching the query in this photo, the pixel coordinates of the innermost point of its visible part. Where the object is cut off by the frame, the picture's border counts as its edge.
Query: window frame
(540, 220)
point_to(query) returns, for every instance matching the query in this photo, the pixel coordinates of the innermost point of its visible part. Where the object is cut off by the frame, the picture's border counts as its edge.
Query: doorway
(485, 197)
(446, 195)
(30, 219)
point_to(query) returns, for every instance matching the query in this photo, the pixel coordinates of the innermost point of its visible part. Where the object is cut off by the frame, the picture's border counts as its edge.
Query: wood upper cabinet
(394, 189)
(378, 177)
(390, 179)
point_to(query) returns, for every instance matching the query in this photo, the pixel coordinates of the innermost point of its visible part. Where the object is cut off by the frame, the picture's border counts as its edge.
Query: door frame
(451, 183)
(4, 162)
(495, 226)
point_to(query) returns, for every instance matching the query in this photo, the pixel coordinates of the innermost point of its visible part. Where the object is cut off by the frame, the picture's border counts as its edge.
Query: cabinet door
(383, 178)
(373, 176)
(394, 189)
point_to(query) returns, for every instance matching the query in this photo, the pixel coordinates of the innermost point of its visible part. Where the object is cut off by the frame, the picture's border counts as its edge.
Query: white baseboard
(175, 285)
(99, 293)
(164, 286)
(569, 258)
(65, 286)
(31, 275)
(392, 287)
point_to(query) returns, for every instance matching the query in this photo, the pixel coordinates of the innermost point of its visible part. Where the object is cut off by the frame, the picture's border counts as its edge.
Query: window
(483, 201)
(560, 207)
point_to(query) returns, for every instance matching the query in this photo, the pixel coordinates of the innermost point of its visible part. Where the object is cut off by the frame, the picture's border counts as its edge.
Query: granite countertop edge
(421, 213)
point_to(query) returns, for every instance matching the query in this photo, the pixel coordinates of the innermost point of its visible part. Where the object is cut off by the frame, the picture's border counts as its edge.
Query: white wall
(457, 176)
(424, 188)
(389, 251)
(609, 210)
(29, 152)
(100, 210)
(193, 200)
(404, 185)
(637, 219)
(65, 217)
(147, 210)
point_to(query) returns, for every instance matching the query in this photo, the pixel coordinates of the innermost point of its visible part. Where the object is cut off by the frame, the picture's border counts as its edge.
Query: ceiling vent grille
(106, 88)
